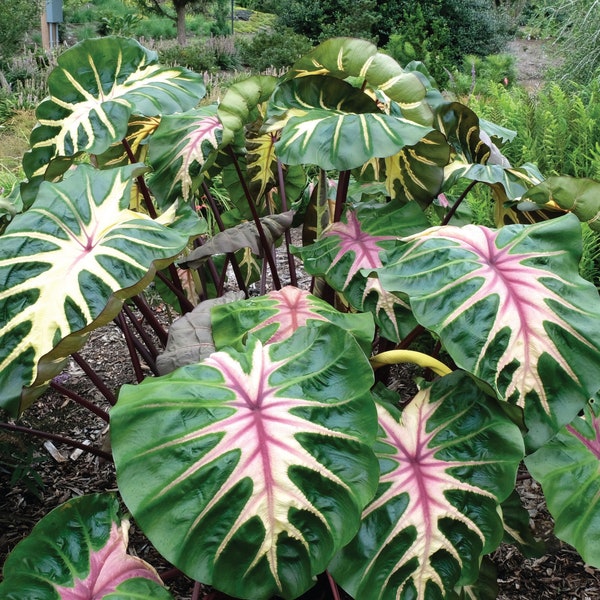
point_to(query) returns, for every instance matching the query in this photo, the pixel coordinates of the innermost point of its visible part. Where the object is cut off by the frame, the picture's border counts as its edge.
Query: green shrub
(13, 30)
(475, 27)
(423, 35)
(156, 28)
(275, 49)
(197, 57)
(118, 25)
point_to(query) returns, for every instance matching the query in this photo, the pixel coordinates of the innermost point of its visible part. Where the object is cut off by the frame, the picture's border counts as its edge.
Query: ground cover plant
(268, 451)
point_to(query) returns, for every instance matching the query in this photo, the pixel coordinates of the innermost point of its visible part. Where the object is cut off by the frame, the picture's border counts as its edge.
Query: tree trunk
(180, 9)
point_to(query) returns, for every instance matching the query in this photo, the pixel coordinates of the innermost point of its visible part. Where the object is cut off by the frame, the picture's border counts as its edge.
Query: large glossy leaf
(67, 264)
(447, 460)
(79, 551)
(510, 307)
(180, 150)
(334, 125)
(94, 89)
(278, 314)
(358, 242)
(416, 173)
(349, 57)
(568, 467)
(250, 470)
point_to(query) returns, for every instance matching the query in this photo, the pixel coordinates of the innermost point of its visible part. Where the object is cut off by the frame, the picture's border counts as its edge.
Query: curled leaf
(244, 235)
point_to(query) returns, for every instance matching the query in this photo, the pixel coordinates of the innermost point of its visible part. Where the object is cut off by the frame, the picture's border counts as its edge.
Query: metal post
(232, 16)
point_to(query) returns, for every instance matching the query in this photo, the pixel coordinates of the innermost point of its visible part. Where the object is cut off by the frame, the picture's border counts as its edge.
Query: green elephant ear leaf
(447, 461)
(67, 265)
(580, 196)
(96, 86)
(349, 57)
(568, 469)
(244, 470)
(239, 105)
(329, 123)
(79, 550)
(537, 321)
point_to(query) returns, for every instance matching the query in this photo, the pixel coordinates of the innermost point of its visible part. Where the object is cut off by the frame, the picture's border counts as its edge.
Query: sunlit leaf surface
(69, 262)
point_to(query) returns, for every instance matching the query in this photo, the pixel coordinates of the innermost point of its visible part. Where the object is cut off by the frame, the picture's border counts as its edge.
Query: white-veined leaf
(67, 264)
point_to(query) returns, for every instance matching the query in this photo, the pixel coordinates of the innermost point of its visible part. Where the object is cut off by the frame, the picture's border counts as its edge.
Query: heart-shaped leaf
(533, 323)
(447, 460)
(250, 470)
(95, 87)
(79, 551)
(334, 125)
(67, 264)
(568, 467)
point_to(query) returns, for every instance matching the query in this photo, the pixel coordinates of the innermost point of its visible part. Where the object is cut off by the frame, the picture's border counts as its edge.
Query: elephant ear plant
(268, 456)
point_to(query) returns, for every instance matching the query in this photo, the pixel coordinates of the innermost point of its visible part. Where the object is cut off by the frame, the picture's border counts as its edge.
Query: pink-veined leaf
(181, 149)
(568, 467)
(277, 315)
(249, 470)
(358, 243)
(447, 460)
(510, 307)
(78, 551)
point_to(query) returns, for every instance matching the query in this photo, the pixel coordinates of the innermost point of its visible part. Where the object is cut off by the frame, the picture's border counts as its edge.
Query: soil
(533, 57)
(44, 483)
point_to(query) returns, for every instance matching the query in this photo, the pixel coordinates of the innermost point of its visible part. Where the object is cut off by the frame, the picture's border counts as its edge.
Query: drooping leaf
(191, 335)
(248, 471)
(334, 125)
(240, 103)
(278, 314)
(350, 57)
(509, 307)
(581, 196)
(244, 235)
(67, 264)
(95, 87)
(416, 173)
(180, 150)
(486, 586)
(76, 551)
(568, 467)
(517, 528)
(447, 460)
